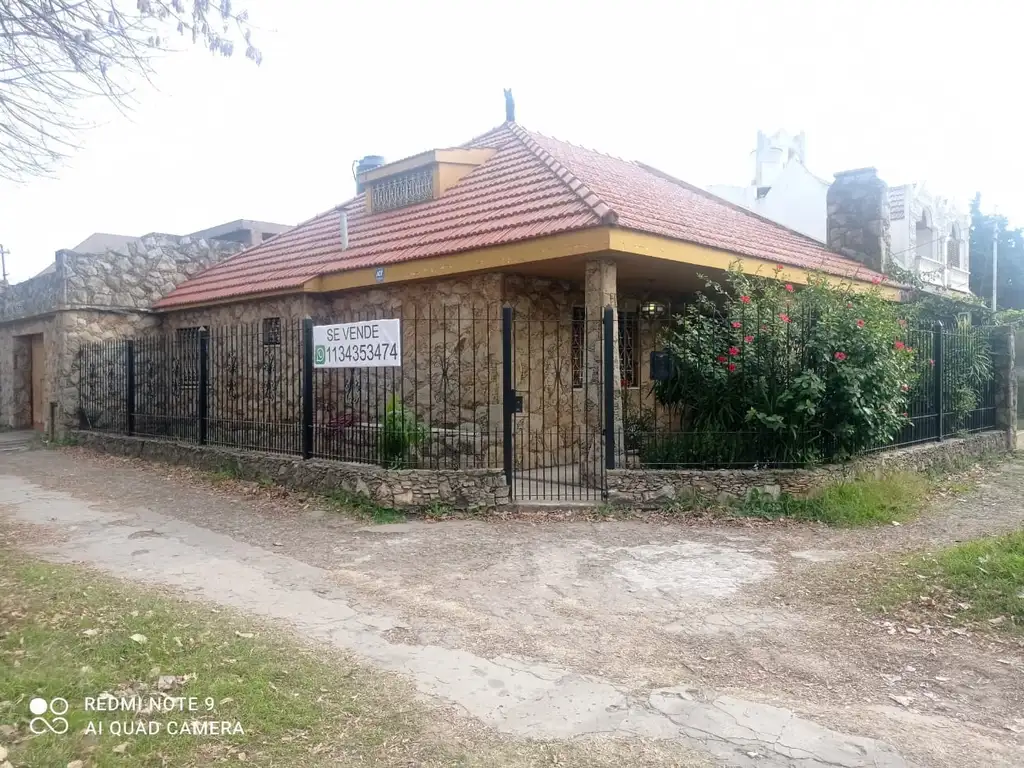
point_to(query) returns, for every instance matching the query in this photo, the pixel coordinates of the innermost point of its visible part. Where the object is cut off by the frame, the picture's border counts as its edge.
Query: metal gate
(555, 403)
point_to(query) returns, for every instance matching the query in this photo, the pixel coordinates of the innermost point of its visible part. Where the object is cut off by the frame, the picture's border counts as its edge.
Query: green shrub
(401, 432)
(817, 373)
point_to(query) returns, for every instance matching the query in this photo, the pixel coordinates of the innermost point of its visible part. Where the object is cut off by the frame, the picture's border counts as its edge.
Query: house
(102, 288)
(444, 240)
(929, 234)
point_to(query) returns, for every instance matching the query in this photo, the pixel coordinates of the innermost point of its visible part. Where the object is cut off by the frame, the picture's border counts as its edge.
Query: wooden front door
(38, 373)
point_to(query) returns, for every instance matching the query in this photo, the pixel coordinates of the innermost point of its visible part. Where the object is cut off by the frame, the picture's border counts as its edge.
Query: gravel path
(745, 642)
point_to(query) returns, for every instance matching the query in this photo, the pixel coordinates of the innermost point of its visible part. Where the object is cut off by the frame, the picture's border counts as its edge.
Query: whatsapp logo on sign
(320, 354)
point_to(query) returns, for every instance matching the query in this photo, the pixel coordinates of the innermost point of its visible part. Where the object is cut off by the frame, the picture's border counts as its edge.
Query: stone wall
(138, 273)
(410, 488)
(858, 218)
(84, 299)
(36, 296)
(646, 487)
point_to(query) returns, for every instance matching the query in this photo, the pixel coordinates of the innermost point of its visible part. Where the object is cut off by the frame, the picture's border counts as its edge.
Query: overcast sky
(921, 90)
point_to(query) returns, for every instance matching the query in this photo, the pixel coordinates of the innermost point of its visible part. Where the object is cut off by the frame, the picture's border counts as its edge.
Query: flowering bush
(817, 373)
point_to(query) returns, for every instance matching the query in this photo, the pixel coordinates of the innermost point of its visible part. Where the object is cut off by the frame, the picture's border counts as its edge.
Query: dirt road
(743, 645)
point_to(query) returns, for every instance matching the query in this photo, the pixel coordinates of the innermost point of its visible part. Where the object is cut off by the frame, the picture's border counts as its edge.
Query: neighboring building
(929, 234)
(783, 189)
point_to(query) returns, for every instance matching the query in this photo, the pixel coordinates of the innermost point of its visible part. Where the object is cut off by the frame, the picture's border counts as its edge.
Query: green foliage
(865, 501)
(817, 373)
(637, 423)
(967, 369)
(981, 580)
(401, 432)
(1014, 317)
(361, 506)
(1010, 288)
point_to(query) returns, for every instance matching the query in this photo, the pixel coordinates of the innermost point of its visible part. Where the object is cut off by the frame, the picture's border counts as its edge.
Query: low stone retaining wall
(402, 488)
(648, 487)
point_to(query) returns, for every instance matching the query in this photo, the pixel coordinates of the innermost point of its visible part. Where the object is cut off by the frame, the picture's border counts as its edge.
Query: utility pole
(995, 259)
(3, 264)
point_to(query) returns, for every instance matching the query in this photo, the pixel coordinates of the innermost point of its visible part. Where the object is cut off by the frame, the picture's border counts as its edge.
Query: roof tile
(532, 186)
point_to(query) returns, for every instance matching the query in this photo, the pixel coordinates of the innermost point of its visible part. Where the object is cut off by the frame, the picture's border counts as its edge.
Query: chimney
(858, 217)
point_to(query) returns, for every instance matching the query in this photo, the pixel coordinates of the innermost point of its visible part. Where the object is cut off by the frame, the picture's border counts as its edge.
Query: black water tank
(368, 163)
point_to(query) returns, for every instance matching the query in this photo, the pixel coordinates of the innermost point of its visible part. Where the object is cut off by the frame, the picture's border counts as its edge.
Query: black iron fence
(952, 391)
(529, 393)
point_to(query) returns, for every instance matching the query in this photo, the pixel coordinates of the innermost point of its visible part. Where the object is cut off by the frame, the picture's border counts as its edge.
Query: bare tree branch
(54, 54)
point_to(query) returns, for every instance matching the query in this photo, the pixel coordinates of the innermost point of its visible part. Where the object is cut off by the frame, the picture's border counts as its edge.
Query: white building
(929, 234)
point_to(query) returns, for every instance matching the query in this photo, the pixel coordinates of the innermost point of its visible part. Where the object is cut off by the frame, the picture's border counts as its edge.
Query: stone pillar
(600, 291)
(858, 218)
(1005, 383)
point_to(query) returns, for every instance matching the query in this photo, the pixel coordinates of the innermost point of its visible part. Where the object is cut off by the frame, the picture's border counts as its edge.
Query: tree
(55, 54)
(1010, 276)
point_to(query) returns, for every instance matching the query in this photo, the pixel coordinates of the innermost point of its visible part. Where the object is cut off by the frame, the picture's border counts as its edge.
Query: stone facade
(87, 298)
(858, 218)
(410, 488)
(138, 273)
(659, 487)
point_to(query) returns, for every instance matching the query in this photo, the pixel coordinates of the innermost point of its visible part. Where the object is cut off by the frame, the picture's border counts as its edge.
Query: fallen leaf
(225, 702)
(90, 632)
(241, 757)
(141, 639)
(120, 748)
(901, 700)
(246, 635)
(76, 764)
(913, 630)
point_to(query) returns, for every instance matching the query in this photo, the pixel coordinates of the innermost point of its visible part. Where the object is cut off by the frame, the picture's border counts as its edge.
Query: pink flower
(736, 324)
(876, 281)
(748, 339)
(903, 323)
(745, 299)
(840, 356)
(721, 358)
(860, 323)
(779, 267)
(899, 345)
(931, 362)
(849, 305)
(734, 351)
(789, 287)
(732, 367)
(904, 387)
(904, 414)
(910, 349)
(784, 317)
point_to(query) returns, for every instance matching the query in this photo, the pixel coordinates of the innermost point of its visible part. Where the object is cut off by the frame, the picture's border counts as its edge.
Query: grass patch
(358, 505)
(979, 582)
(68, 632)
(864, 501)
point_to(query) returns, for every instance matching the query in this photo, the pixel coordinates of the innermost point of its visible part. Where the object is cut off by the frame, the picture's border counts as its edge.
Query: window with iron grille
(579, 333)
(400, 191)
(953, 249)
(271, 331)
(629, 348)
(188, 356)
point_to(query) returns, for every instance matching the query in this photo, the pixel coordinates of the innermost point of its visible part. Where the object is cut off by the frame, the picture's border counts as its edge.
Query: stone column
(1005, 383)
(600, 291)
(858, 221)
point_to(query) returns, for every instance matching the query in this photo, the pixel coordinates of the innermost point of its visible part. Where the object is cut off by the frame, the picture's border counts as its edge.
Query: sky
(923, 91)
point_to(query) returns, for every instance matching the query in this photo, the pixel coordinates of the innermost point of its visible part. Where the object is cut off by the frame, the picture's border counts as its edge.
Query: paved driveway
(740, 644)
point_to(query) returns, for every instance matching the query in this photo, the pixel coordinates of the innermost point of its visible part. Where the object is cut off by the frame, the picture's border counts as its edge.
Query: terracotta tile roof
(531, 187)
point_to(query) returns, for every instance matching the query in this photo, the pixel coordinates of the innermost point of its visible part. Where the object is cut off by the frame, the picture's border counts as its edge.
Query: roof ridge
(735, 206)
(601, 209)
